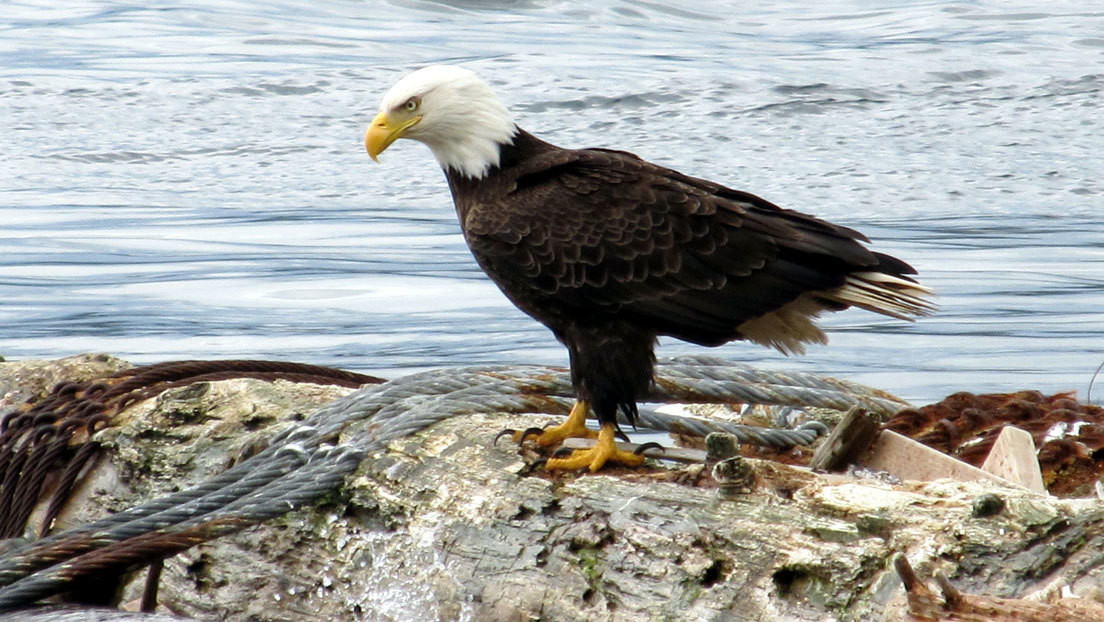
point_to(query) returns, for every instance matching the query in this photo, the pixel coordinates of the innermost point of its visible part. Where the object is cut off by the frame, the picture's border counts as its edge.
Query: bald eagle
(610, 251)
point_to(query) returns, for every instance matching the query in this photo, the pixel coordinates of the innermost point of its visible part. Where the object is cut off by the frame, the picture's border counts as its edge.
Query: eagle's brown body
(610, 251)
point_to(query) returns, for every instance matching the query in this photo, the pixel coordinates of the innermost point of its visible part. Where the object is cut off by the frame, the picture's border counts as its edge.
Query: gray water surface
(191, 182)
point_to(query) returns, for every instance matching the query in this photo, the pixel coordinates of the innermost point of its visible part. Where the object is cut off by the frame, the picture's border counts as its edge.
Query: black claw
(562, 451)
(501, 434)
(529, 432)
(646, 446)
(537, 464)
(621, 436)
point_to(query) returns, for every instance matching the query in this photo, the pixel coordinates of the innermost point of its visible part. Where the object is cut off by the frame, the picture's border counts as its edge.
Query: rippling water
(190, 182)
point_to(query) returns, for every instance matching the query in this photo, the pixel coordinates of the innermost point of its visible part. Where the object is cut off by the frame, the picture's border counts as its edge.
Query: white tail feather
(884, 293)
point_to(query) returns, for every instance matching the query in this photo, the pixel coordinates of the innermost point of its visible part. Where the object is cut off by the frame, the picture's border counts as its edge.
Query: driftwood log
(445, 525)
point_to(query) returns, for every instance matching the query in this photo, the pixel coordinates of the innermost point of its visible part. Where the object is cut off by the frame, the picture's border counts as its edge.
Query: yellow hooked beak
(384, 130)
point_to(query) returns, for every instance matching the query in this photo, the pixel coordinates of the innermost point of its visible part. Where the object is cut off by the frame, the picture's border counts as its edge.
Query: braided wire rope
(37, 437)
(299, 488)
(312, 458)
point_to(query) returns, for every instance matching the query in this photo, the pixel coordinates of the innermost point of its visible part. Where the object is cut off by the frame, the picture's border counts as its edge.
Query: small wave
(622, 102)
(970, 75)
(142, 157)
(309, 42)
(135, 157)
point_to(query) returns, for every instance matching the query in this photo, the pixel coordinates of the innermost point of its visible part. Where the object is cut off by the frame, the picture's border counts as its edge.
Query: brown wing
(594, 231)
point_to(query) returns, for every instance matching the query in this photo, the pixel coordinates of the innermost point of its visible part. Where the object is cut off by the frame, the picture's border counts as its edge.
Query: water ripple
(189, 181)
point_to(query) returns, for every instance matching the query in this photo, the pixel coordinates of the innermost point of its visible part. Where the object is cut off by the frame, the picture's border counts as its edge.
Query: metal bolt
(720, 446)
(734, 477)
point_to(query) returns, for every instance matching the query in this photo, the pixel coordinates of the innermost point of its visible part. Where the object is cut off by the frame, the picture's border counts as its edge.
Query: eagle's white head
(452, 111)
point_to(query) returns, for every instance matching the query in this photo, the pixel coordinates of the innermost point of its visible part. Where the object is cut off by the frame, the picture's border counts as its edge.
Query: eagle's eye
(411, 105)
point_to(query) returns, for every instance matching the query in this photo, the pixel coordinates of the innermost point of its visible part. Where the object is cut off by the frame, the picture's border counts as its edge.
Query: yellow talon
(574, 427)
(594, 458)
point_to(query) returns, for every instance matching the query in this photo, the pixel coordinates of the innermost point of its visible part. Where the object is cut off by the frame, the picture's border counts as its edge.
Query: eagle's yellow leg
(574, 427)
(594, 458)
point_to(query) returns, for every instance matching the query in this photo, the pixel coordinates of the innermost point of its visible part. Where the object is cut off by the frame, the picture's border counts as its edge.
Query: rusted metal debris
(1069, 435)
(952, 605)
(47, 442)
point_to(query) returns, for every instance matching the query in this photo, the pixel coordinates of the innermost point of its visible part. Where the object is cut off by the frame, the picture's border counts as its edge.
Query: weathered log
(444, 525)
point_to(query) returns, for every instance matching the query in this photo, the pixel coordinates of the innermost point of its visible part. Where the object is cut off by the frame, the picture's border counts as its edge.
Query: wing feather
(594, 232)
